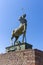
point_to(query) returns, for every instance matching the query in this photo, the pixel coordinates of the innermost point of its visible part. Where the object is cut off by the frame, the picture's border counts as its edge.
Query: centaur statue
(21, 29)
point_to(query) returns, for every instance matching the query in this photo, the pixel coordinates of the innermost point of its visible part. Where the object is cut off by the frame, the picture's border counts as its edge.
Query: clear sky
(10, 10)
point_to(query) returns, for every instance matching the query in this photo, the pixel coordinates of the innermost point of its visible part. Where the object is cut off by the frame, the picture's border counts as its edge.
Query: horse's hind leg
(23, 38)
(16, 38)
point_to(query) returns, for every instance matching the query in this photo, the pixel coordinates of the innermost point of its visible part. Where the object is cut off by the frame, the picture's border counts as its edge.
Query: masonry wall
(26, 57)
(38, 57)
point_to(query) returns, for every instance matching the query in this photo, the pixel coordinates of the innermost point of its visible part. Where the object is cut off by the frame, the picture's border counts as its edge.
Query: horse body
(18, 31)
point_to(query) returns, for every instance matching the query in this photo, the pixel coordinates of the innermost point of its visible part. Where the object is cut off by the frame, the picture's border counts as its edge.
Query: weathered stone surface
(25, 57)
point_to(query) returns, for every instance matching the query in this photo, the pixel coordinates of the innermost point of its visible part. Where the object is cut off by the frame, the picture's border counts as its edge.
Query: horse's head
(23, 16)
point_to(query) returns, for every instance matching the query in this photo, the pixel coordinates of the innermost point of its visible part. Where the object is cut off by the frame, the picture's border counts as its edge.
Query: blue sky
(10, 10)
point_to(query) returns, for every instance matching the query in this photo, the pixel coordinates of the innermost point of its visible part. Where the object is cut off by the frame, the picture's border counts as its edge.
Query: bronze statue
(21, 29)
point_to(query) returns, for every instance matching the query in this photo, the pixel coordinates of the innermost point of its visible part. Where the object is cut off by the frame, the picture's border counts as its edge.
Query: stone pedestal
(19, 46)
